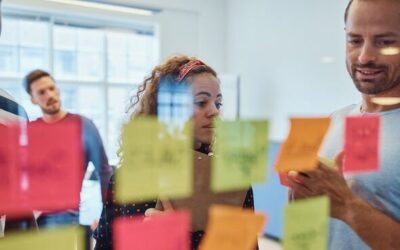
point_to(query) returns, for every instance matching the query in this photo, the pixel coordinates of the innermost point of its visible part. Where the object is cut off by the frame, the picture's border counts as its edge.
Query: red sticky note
(283, 179)
(361, 146)
(53, 171)
(9, 182)
(167, 232)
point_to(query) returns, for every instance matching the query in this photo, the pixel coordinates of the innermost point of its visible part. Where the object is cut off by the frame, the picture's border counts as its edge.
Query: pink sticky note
(167, 232)
(9, 188)
(361, 147)
(53, 171)
(283, 179)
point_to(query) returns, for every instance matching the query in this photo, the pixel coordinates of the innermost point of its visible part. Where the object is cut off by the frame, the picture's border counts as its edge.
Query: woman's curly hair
(145, 101)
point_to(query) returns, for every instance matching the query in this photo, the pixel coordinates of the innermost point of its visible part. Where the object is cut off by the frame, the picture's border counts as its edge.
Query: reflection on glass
(174, 102)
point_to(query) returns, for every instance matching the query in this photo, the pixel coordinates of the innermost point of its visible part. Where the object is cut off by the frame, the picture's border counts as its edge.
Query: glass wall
(97, 68)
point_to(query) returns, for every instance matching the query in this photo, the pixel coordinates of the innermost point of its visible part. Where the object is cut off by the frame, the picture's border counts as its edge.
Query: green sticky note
(61, 239)
(306, 224)
(157, 161)
(175, 157)
(240, 155)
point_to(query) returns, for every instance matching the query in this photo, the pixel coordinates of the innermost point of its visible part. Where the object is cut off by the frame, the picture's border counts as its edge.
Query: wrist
(349, 210)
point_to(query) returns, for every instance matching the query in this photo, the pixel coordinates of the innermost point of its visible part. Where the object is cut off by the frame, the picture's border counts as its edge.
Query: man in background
(43, 91)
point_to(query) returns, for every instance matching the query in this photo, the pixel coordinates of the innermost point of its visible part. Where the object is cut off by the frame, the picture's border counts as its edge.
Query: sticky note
(53, 172)
(169, 231)
(61, 239)
(240, 154)
(157, 161)
(327, 162)
(361, 146)
(283, 179)
(306, 224)
(43, 168)
(300, 150)
(232, 228)
(9, 169)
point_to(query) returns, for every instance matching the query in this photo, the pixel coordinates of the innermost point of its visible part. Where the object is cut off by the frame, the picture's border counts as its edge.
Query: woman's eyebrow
(203, 93)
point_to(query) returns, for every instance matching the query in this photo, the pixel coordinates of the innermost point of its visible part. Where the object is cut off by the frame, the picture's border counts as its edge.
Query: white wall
(276, 47)
(188, 27)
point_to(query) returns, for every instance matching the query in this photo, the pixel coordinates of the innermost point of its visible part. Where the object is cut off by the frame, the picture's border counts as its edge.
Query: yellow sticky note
(300, 150)
(306, 224)
(157, 161)
(327, 162)
(60, 239)
(232, 228)
(240, 155)
(175, 157)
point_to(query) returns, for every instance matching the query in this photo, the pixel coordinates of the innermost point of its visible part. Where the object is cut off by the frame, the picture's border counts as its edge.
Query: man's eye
(219, 105)
(354, 42)
(385, 43)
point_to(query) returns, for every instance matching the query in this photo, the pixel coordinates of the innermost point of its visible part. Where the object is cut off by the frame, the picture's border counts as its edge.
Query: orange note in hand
(300, 150)
(232, 228)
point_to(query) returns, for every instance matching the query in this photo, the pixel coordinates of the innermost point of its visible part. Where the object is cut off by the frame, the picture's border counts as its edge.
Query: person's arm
(375, 228)
(97, 155)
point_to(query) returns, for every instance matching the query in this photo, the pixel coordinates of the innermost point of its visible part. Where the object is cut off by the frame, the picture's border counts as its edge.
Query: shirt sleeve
(96, 154)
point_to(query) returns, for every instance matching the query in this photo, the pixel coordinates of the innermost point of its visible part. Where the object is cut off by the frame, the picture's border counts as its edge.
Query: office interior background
(276, 59)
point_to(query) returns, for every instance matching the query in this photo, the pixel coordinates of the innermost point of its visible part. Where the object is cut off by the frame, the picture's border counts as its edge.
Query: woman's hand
(166, 208)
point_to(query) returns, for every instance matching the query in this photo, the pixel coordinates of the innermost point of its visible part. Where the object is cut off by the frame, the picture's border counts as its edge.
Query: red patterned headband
(187, 67)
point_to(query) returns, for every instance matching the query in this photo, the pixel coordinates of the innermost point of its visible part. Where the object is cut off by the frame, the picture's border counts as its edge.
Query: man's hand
(323, 181)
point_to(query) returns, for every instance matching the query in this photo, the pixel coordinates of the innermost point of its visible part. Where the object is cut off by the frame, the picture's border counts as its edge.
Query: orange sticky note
(300, 150)
(232, 228)
(361, 146)
(169, 231)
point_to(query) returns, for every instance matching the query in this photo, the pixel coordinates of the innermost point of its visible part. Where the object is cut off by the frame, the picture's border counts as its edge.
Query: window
(96, 68)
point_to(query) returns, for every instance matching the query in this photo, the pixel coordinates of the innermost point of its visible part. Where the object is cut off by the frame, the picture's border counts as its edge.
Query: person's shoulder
(38, 120)
(83, 118)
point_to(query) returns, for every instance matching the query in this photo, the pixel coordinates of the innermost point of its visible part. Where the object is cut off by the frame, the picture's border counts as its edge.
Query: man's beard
(373, 88)
(51, 111)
